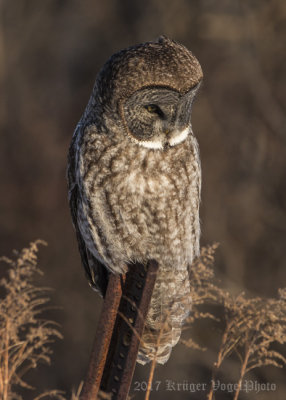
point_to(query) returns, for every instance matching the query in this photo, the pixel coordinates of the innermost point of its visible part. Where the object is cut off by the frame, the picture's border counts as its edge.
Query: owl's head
(150, 88)
(158, 117)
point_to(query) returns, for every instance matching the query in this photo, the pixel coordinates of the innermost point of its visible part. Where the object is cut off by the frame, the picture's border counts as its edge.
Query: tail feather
(170, 305)
(151, 349)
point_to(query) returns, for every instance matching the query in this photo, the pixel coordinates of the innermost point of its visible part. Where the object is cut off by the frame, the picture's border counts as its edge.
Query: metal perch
(117, 339)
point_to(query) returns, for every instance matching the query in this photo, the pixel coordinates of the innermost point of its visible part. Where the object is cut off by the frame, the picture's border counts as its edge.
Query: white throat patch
(151, 145)
(176, 138)
(180, 137)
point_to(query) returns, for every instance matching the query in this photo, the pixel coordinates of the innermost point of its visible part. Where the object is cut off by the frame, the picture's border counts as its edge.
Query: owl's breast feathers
(129, 204)
(135, 203)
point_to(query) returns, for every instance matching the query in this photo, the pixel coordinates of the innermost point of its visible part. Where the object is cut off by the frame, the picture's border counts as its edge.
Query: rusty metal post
(119, 331)
(102, 338)
(134, 305)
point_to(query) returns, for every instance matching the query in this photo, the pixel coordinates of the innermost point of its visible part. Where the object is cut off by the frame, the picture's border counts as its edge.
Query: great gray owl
(134, 179)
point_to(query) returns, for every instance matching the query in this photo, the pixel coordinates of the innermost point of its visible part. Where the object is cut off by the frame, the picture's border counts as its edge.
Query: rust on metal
(102, 338)
(120, 328)
(134, 305)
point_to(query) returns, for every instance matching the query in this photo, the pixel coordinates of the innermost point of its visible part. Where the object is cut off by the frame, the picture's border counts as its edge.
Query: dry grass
(25, 335)
(252, 325)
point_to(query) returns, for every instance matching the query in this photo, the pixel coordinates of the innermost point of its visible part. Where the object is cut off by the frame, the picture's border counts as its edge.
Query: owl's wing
(96, 272)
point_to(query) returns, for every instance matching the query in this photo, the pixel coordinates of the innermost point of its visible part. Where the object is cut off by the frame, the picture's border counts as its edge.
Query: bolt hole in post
(117, 340)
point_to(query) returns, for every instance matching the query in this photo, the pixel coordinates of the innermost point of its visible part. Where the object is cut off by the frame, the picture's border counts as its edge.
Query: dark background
(50, 53)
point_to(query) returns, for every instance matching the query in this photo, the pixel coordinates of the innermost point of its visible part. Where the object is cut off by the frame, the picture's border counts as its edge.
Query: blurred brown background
(50, 53)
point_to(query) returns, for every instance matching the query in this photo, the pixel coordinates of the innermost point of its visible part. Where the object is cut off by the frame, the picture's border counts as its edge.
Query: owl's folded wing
(96, 272)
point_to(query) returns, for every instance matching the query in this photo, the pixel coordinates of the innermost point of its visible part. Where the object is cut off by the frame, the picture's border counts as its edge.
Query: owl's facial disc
(157, 117)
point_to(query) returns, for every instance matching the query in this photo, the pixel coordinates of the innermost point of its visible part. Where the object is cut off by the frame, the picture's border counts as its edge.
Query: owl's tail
(170, 305)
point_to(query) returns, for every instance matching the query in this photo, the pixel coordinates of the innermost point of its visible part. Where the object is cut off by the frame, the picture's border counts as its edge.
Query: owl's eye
(154, 109)
(151, 108)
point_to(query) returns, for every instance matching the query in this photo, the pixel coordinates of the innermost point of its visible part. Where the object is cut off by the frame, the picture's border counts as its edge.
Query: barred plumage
(134, 179)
